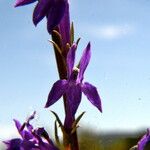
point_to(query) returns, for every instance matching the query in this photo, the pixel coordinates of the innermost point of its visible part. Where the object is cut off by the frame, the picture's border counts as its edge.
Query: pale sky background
(119, 31)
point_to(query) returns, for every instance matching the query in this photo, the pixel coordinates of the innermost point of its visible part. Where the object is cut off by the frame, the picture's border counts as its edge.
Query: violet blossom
(31, 139)
(53, 10)
(144, 140)
(73, 86)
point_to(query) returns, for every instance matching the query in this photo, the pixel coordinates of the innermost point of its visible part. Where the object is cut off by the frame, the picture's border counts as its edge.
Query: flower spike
(30, 139)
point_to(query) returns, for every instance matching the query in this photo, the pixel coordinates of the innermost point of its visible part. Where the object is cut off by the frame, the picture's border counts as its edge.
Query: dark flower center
(74, 74)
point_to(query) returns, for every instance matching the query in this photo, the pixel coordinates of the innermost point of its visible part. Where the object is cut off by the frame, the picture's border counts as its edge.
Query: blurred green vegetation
(90, 140)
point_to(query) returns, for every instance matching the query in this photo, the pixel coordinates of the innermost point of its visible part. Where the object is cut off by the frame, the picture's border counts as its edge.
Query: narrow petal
(18, 126)
(71, 59)
(56, 92)
(84, 61)
(144, 140)
(64, 27)
(91, 93)
(41, 10)
(23, 2)
(55, 14)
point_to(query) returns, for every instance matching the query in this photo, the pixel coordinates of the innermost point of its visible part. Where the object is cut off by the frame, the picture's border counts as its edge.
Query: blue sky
(119, 32)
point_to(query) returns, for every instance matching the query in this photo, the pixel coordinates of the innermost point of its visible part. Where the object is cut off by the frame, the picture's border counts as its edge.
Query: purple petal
(24, 134)
(41, 10)
(55, 14)
(144, 140)
(56, 92)
(28, 145)
(91, 93)
(68, 121)
(27, 135)
(74, 96)
(64, 27)
(13, 144)
(30, 128)
(73, 100)
(18, 126)
(71, 59)
(23, 2)
(84, 61)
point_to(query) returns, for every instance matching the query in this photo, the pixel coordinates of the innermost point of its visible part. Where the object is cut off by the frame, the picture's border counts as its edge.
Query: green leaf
(56, 134)
(74, 129)
(56, 46)
(72, 33)
(57, 118)
(57, 34)
(78, 40)
(77, 120)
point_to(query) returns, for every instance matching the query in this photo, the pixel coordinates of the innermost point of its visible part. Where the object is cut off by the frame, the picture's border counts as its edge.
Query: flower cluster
(31, 139)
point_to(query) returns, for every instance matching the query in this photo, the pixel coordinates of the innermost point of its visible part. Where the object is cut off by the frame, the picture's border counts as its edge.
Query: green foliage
(89, 140)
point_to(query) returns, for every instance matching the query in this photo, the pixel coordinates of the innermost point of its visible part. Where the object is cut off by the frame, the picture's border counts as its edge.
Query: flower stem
(62, 70)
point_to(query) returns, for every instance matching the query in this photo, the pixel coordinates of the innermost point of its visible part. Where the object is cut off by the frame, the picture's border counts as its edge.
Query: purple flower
(54, 10)
(74, 85)
(31, 139)
(144, 140)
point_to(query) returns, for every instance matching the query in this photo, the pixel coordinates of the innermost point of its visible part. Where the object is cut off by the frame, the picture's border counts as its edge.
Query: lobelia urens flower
(31, 139)
(53, 10)
(74, 85)
(144, 140)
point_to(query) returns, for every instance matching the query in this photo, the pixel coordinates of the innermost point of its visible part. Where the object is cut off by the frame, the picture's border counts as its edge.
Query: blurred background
(119, 32)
